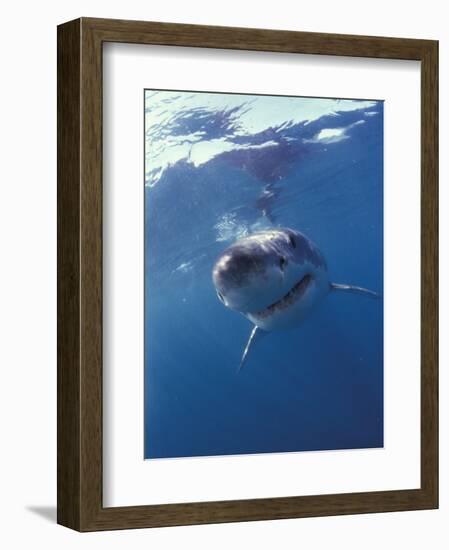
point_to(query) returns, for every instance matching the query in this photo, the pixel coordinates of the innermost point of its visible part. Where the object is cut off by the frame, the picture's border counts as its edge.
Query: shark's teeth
(290, 298)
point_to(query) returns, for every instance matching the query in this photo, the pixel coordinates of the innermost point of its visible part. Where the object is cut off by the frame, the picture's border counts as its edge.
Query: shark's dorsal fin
(356, 289)
(256, 331)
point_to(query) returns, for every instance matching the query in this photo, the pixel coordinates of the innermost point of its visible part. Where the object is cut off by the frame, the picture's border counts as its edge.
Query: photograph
(264, 257)
(221, 261)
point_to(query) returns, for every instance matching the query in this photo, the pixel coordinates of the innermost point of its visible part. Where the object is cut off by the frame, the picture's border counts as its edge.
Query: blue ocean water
(218, 167)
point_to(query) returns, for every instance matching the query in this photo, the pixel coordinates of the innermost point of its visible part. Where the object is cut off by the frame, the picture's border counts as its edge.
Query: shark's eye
(220, 296)
(292, 241)
(282, 263)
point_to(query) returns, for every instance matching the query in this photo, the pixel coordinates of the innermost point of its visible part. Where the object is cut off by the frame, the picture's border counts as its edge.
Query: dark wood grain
(144, 32)
(80, 274)
(429, 271)
(69, 408)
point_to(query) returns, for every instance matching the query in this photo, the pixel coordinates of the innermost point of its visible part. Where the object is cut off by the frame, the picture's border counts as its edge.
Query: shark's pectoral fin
(356, 289)
(256, 333)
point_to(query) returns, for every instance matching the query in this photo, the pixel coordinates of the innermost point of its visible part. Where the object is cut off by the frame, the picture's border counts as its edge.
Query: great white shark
(274, 278)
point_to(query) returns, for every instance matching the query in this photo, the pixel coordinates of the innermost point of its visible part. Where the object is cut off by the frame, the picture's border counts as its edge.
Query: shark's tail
(356, 289)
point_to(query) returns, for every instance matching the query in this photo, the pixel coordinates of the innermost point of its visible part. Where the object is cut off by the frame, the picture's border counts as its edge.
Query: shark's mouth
(292, 296)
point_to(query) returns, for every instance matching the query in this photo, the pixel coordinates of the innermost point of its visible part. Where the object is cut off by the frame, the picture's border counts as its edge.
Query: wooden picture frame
(80, 503)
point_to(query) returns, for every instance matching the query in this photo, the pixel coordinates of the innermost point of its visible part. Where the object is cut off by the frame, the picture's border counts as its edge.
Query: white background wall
(28, 274)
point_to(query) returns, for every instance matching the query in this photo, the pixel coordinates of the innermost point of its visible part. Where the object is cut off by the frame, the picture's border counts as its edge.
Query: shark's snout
(236, 277)
(235, 269)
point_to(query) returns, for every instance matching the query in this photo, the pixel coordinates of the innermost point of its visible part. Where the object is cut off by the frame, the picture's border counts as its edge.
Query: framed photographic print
(247, 274)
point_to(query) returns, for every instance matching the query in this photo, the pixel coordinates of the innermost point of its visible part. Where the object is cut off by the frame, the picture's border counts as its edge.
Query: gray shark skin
(275, 278)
